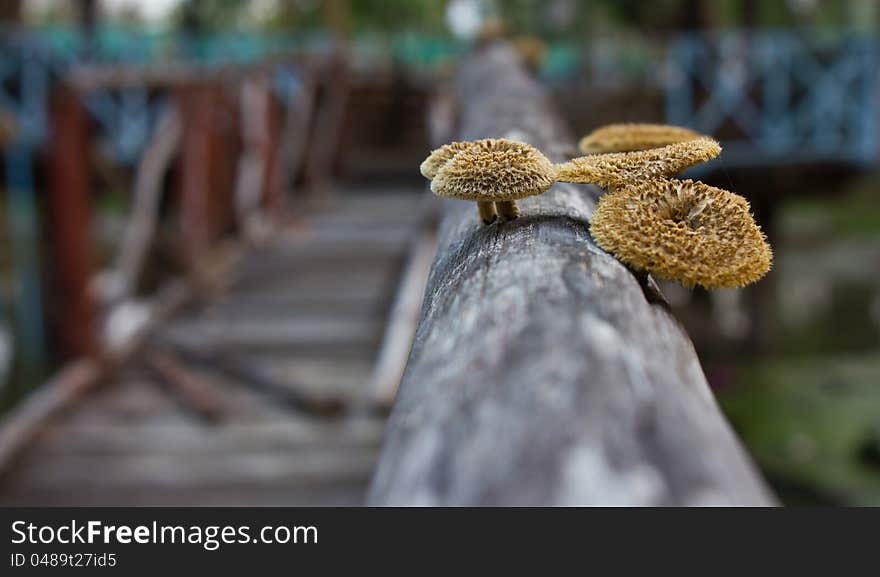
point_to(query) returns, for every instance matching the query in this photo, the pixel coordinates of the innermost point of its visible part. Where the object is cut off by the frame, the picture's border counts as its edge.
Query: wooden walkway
(259, 397)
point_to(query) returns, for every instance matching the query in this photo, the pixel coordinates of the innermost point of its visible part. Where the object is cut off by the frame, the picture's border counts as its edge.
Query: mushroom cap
(619, 168)
(683, 230)
(494, 170)
(631, 136)
(441, 156)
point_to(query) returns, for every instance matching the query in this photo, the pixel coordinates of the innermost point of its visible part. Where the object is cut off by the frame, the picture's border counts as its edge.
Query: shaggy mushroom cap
(441, 156)
(620, 168)
(494, 170)
(683, 230)
(630, 137)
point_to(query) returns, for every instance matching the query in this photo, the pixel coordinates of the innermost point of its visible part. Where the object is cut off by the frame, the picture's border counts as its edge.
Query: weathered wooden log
(543, 371)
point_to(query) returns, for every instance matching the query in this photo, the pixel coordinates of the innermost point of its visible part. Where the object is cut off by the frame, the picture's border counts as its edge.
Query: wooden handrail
(543, 371)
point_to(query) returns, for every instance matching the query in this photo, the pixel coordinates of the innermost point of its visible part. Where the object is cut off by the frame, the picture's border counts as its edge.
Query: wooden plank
(157, 471)
(294, 433)
(294, 333)
(146, 450)
(233, 311)
(330, 375)
(368, 276)
(20, 427)
(266, 265)
(542, 372)
(131, 396)
(355, 238)
(244, 370)
(268, 304)
(143, 402)
(403, 320)
(320, 280)
(377, 290)
(405, 208)
(194, 390)
(334, 265)
(347, 493)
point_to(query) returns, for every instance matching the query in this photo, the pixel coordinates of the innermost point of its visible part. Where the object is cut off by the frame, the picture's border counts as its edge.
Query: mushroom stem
(507, 209)
(487, 212)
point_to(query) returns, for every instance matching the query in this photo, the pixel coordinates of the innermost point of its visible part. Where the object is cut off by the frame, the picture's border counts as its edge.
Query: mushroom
(630, 137)
(497, 172)
(493, 172)
(616, 169)
(441, 156)
(684, 230)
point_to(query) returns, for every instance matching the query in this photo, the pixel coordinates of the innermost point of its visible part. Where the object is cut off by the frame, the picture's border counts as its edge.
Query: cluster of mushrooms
(675, 229)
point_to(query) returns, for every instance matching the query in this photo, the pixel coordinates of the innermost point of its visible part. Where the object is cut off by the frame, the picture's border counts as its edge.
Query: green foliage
(549, 19)
(658, 14)
(857, 214)
(812, 426)
(211, 14)
(398, 15)
(362, 15)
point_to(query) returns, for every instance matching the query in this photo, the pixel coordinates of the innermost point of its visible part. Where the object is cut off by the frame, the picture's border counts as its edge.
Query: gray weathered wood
(403, 320)
(541, 373)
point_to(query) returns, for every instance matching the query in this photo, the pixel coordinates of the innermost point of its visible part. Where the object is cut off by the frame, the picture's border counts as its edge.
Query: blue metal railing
(777, 97)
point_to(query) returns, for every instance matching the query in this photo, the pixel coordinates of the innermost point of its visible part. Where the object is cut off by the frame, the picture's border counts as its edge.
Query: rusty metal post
(69, 214)
(195, 171)
(273, 181)
(207, 169)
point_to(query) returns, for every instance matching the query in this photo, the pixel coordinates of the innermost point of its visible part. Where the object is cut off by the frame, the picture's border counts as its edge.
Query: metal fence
(777, 97)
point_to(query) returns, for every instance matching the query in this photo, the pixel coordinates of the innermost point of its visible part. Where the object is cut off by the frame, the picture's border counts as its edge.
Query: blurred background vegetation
(548, 19)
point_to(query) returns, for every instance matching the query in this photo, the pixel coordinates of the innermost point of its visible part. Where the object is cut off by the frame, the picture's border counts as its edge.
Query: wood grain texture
(541, 373)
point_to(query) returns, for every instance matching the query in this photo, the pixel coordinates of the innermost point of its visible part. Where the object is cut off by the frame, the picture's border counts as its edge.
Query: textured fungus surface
(683, 230)
(441, 156)
(630, 137)
(615, 169)
(493, 170)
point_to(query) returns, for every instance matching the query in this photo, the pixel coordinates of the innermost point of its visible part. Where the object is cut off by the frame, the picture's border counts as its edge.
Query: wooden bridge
(261, 370)
(542, 371)
(262, 395)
